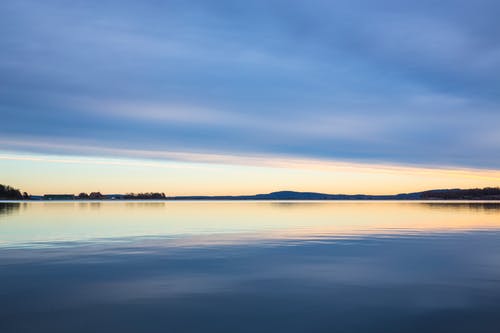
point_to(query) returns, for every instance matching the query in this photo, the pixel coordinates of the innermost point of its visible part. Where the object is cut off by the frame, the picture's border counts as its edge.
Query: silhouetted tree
(83, 196)
(147, 196)
(96, 196)
(10, 193)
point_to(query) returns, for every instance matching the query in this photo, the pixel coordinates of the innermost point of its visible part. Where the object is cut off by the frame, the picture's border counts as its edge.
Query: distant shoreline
(484, 194)
(492, 201)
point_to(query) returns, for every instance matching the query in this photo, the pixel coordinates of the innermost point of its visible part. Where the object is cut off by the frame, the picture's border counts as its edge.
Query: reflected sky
(250, 266)
(43, 223)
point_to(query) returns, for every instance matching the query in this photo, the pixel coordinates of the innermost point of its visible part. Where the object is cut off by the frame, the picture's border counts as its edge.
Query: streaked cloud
(75, 154)
(398, 82)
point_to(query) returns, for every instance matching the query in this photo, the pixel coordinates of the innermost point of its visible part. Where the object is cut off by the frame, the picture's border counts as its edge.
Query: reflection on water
(46, 223)
(8, 207)
(485, 206)
(250, 266)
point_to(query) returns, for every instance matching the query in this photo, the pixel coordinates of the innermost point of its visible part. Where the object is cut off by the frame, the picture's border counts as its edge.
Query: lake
(201, 266)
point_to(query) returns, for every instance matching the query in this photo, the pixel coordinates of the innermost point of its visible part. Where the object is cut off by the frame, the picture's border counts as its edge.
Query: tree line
(10, 193)
(146, 195)
(468, 194)
(100, 196)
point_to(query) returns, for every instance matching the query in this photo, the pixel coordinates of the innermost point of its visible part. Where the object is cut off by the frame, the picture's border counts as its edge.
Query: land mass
(488, 193)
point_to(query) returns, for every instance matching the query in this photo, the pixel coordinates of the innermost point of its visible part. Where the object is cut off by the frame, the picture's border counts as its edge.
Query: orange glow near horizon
(204, 174)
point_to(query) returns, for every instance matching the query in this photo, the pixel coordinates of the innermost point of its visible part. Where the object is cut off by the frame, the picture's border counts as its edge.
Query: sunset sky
(241, 97)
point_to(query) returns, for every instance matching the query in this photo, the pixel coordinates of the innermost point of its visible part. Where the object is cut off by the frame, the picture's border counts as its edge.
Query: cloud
(399, 82)
(181, 160)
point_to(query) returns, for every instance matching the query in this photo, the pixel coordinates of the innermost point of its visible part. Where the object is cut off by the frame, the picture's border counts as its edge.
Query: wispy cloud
(396, 82)
(75, 154)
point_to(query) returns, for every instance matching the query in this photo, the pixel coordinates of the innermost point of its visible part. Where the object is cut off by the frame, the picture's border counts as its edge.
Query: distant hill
(489, 193)
(292, 195)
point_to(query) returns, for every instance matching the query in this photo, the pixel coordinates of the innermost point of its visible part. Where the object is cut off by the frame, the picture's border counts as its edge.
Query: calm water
(249, 267)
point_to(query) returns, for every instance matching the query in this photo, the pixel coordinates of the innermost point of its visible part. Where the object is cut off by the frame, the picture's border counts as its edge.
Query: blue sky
(390, 82)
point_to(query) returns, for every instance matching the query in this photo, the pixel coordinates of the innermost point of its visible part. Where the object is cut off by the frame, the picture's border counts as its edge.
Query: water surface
(250, 267)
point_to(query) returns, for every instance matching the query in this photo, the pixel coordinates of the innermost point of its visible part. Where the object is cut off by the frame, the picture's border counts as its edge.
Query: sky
(228, 97)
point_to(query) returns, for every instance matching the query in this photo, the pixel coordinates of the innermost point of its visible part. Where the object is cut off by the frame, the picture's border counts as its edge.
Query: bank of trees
(10, 193)
(486, 193)
(91, 196)
(147, 195)
(129, 196)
